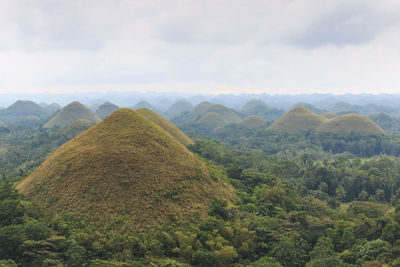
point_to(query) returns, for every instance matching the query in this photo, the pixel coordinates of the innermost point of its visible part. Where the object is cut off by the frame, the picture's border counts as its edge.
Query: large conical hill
(125, 167)
(71, 112)
(166, 125)
(297, 119)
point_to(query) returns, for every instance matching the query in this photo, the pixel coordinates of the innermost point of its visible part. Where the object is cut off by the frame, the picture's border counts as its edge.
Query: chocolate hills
(297, 119)
(125, 167)
(22, 109)
(166, 125)
(71, 112)
(253, 122)
(106, 109)
(302, 119)
(207, 116)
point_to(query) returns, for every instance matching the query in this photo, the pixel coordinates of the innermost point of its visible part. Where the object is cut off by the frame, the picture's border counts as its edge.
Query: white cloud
(215, 46)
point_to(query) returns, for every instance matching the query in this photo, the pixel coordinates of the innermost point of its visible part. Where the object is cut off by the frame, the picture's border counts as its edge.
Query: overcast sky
(210, 46)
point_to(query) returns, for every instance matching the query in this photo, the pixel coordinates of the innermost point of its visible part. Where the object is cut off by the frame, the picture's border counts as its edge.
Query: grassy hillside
(301, 119)
(297, 119)
(71, 112)
(201, 108)
(52, 108)
(22, 109)
(166, 125)
(225, 113)
(329, 115)
(253, 122)
(125, 167)
(106, 109)
(211, 120)
(351, 123)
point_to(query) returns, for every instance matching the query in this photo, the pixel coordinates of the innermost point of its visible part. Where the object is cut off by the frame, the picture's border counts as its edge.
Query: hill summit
(128, 167)
(106, 109)
(71, 112)
(302, 119)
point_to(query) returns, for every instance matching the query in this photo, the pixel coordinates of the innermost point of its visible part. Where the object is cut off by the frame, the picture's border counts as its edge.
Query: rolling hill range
(259, 108)
(106, 109)
(71, 112)
(22, 109)
(208, 116)
(302, 119)
(125, 167)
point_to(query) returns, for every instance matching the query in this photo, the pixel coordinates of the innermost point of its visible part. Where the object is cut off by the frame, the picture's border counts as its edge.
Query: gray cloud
(289, 45)
(347, 24)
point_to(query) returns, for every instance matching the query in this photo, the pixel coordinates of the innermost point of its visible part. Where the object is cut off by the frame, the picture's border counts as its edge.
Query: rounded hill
(106, 109)
(297, 119)
(351, 123)
(253, 121)
(125, 167)
(302, 119)
(22, 109)
(166, 125)
(71, 112)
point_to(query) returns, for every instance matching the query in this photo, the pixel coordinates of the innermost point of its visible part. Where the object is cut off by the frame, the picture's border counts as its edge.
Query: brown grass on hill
(126, 167)
(166, 125)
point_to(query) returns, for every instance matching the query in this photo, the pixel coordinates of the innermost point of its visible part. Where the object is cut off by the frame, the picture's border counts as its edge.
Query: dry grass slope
(253, 121)
(71, 112)
(127, 167)
(166, 125)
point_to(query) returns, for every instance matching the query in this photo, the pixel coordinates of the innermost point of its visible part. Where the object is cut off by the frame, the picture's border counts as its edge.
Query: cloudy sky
(213, 46)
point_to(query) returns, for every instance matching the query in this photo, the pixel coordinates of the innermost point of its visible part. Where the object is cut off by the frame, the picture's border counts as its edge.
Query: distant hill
(52, 108)
(166, 125)
(253, 122)
(125, 167)
(22, 109)
(177, 109)
(367, 109)
(302, 119)
(145, 104)
(208, 116)
(71, 112)
(388, 123)
(106, 109)
(259, 108)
